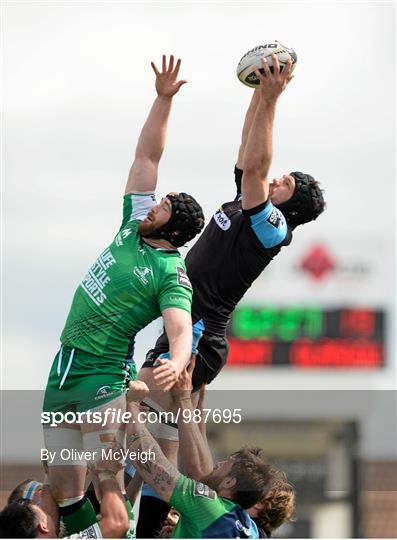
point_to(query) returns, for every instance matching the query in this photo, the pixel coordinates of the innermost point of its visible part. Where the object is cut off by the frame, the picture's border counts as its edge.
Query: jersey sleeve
(176, 289)
(268, 224)
(238, 179)
(78, 516)
(196, 502)
(136, 206)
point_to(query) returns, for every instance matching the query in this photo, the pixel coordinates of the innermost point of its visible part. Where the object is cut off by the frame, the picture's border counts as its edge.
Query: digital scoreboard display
(307, 336)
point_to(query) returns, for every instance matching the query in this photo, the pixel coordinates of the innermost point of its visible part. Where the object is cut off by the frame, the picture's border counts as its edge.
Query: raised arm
(259, 149)
(193, 446)
(249, 118)
(114, 521)
(156, 470)
(143, 173)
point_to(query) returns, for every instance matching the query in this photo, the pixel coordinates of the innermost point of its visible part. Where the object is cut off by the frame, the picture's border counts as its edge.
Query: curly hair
(253, 476)
(278, 503)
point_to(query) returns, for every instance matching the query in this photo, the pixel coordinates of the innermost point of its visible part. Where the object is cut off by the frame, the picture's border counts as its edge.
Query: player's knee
(96, 442)
(161, 422)
(146, 375)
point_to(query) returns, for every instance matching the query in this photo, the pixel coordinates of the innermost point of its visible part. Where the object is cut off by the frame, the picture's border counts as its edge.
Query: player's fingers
(180, 83)
(288, 68)
(162, 361)
(169, 385)
(192, 364)
(178, 65)
(160, 369)
(266, 67)
(161, 376)
(165, 384)
(155, 69)
(276, 64)
(171, 63)
(260, 76)
(164, 65)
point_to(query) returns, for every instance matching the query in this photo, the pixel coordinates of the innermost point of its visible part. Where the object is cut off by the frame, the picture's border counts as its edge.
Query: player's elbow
(115, 526)
(254, 168)
(197, 472)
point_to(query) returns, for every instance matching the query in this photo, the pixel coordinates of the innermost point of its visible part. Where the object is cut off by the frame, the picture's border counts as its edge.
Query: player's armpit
(255, 189)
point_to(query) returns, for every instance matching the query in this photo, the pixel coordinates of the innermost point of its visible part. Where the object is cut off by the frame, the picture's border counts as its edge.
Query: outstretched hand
(166, 80)
(272, 84)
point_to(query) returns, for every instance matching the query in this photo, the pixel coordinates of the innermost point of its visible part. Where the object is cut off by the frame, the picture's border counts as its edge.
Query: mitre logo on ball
(252, 60)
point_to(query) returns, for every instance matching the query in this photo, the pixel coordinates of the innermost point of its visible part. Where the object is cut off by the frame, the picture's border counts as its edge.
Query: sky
(77, 88)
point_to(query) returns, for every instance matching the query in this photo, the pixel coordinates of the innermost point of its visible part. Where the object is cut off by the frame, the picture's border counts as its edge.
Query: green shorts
(80, 381)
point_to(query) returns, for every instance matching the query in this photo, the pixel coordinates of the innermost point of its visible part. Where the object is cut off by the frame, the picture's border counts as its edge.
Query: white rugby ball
(252, 60)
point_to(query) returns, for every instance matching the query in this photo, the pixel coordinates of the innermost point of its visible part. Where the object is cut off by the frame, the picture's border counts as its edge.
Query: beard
(147, 229)
(212, 481)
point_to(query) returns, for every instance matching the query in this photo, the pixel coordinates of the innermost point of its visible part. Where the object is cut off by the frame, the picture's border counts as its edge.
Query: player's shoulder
(198, 490)
(227, 213)
(171, 259)
(204, 491)
(127, 234)
(171, 268)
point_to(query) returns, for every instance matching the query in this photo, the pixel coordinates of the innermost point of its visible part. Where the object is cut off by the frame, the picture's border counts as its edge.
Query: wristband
(106, 475)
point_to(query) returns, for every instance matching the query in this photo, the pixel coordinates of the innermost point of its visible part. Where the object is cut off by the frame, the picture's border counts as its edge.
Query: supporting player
(214, 509)
(277, 502)
(241, 239)
(139, 277)
(33, 513)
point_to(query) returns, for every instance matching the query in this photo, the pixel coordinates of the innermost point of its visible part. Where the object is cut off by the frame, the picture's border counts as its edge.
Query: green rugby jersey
(205, 515)
(127, 287)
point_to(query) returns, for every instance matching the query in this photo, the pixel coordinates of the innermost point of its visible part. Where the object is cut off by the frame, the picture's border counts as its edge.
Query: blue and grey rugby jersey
(230, 254)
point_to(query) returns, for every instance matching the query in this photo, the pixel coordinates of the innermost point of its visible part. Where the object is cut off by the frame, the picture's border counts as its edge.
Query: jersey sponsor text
(222, 220)
(97, 278)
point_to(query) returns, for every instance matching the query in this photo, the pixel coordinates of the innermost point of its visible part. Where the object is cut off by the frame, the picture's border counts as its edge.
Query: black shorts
(210, 359)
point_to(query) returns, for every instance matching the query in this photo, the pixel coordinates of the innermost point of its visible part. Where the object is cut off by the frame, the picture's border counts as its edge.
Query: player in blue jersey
(213, 507)
(239, 242)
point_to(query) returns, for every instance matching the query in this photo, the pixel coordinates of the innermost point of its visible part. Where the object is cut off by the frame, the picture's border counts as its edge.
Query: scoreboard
(307, 336)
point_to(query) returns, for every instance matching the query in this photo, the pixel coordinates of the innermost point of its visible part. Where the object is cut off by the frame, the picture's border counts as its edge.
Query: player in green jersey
(136, 279)
(277, 501)
(214, 507)
(33, 513)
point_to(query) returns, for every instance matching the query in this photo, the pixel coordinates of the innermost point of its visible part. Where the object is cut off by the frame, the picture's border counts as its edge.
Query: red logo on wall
(318, 262)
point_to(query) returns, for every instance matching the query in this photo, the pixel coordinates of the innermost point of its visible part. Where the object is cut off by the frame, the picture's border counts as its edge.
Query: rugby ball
(252, 60)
